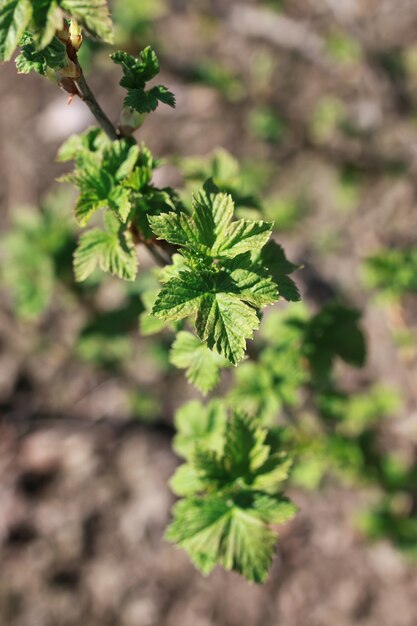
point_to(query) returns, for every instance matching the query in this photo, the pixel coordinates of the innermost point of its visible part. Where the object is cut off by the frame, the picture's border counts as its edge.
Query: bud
(75, 33)
(131, 120)
(71, 70)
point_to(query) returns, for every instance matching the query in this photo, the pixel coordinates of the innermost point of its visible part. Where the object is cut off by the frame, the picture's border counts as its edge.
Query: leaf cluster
(219, 276)
(136, 74)
(116, 177)
(43, 19)
(232, 491)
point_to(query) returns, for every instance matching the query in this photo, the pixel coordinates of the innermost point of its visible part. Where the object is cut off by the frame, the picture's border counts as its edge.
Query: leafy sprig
(218, 281)
(223, 272)
(232, 483)
(136, 74)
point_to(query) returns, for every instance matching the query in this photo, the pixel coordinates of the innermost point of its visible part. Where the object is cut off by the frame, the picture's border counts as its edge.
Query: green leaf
(210, 231)
(223, 320)
(252, 281)
(92, 141)
(185, 481)
(102, 168)
(47, 19)
(180, 296)
(147, 101)
(203, 365)
(94, 15)
(136, 73)
(112, 252)
(15, 15)
(32, 60)
(119, 202)
(214, 531)
(95, 187)
(232, 495)
(199, 425)
(120, 157)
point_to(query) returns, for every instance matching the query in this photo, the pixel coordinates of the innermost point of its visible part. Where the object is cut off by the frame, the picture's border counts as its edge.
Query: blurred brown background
(318, 99)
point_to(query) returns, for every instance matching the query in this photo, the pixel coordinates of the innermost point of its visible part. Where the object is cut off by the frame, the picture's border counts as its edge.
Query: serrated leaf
(95, 187)
(185, 481)
(223, 320)
(15, 15)
(32, 60)
(120, 158)
(212, 531)
(94, 15)
(110, 251)
(136, 73)
(231, 495)
(252, 281)
(180, 297)
(119, 202)
(210, 231)
(203, 365)
(147, 101)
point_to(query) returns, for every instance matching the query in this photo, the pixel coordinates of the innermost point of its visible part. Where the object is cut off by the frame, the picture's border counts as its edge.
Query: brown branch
(89, 98)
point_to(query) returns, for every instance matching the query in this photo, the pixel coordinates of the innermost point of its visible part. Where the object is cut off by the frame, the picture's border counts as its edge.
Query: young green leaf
(232, 498)
(203, 365)
(136, 73)
(32, 60)
(210, 232)
(112, 252)
(223, 320)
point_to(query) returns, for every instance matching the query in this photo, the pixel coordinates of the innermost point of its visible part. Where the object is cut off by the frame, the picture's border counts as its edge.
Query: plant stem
(90, 100)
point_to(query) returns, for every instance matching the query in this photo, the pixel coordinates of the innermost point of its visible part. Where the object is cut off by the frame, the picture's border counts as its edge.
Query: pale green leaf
(119, 202)
(214, 530)
(111, 252)
(203, 365)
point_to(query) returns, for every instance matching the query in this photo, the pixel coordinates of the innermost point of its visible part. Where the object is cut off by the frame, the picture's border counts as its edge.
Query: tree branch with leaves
(218, 274)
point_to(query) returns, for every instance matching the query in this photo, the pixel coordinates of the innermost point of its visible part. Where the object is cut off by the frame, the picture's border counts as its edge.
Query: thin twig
(89, 98)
